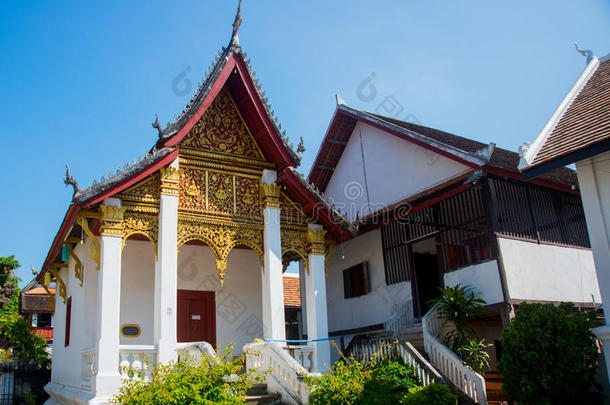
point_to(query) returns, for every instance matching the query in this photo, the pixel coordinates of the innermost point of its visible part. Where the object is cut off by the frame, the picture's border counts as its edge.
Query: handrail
(402, 317)
(448, 363)
(389, 344)
(285, 375)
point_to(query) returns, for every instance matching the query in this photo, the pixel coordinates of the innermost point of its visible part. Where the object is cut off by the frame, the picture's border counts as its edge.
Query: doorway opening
(426, 274)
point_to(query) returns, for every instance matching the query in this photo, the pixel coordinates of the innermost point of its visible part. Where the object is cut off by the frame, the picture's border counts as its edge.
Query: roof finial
(234, 37)
(71, 181)
(585, 52)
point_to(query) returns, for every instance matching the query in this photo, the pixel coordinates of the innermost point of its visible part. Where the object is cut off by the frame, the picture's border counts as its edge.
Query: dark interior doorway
(426, 275)
(196, 316)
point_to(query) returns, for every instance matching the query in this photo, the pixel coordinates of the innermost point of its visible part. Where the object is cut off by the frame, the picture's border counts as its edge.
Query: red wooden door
(197, 316)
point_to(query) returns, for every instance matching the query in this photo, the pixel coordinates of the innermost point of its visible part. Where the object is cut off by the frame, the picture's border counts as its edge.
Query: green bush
(433, 394)
(349, 382)
(549, 356)
(204, 381)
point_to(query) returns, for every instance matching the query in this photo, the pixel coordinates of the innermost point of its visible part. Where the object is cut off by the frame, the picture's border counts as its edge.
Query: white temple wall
(549, 273)
(67, 359)
(395, 169)
(137, 290)
(238, 302)
(483, 278)
(372, 308)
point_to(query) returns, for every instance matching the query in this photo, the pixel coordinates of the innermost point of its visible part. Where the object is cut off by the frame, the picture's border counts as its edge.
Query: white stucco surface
(548, 273)
(395, 169)
(372, 308)
(137, 290)
(83, 332)
(483, 278)
(238, 302)
(594, 181)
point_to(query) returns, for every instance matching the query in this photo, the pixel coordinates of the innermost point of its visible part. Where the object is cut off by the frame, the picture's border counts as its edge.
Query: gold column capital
(111, 220)
(170, 177)
(271, 195)
(315, 238)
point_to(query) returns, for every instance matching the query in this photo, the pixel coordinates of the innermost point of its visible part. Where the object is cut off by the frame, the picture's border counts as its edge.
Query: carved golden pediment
(222, 129)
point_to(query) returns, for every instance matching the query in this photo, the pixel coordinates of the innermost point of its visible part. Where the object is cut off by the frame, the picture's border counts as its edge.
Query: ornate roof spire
(234, 37)
(583, 52)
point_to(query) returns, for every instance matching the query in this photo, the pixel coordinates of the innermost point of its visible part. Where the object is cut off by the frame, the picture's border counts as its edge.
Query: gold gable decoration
(221, 238)
(147, 225)
(294, 241)
(222, 129)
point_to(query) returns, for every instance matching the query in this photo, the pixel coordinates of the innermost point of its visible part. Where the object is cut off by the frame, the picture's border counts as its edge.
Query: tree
(549, 356)
(18, 340)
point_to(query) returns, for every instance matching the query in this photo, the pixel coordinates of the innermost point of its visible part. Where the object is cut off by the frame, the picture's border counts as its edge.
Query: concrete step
(258, 395)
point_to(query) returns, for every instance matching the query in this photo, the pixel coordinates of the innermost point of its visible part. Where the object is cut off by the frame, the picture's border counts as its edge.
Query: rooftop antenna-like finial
(234, 37)
(585, 52)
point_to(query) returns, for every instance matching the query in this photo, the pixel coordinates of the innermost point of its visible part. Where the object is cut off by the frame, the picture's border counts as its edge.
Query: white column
(274, 325)
(596, 213)
(107, 378)
(315, 287)
(166, 268)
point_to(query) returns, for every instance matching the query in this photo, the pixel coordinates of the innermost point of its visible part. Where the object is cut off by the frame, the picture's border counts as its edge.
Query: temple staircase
(259, 395)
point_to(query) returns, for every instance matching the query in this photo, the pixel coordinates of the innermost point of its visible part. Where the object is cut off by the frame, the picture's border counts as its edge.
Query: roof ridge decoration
(585, 52)
(129, 169)
(205, 85)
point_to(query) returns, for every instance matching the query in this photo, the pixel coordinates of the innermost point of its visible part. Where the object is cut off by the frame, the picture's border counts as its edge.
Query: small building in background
(292, 306)
(36, 308)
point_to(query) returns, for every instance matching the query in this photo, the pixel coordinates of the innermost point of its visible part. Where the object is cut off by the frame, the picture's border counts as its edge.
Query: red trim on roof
(278, 153)
(65, 227)
(216, 87)
(539, 181)
(133, 179)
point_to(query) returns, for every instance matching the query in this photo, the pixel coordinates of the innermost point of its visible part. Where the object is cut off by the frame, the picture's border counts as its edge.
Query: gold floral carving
(316, 242)
(146, 191)
(291, 213)
(271, 195)
(220, 193)
(54, 269)
(294, 242)
(111, 220)
(135, 223)
(221, 129)
(170, 177)
(45, 284)
(247, 198)
(221, 239)
(95, 243)
(78, 265)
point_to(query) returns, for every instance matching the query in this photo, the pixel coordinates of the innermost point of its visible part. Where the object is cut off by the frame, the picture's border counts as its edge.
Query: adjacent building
(579, 133)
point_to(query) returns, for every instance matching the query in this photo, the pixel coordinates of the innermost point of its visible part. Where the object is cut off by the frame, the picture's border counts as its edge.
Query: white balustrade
(195, 350)
(402, 318)
(302, 354)
(285, 376)
(137, 362)
(87, 368)
(448, 363)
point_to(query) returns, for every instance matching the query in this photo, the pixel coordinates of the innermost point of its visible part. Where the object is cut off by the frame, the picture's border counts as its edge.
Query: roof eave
(528, 153)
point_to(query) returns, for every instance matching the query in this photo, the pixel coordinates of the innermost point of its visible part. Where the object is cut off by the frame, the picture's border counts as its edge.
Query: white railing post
(448, 363)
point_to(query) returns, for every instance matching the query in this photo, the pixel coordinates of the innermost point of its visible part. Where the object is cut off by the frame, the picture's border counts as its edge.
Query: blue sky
(81, 81)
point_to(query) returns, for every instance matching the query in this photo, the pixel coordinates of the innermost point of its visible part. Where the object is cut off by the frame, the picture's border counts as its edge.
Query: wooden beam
(336, 142)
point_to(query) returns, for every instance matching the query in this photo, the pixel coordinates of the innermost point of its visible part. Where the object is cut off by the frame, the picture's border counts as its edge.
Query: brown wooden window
(68, 318)
(356, 280)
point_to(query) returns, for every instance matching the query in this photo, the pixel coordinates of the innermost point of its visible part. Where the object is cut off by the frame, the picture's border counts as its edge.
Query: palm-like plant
(475, 355)
(457, 304)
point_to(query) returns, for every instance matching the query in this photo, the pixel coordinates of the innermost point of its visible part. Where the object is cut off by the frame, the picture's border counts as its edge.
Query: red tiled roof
(39, 291)
(292, 292)
(584, 123)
